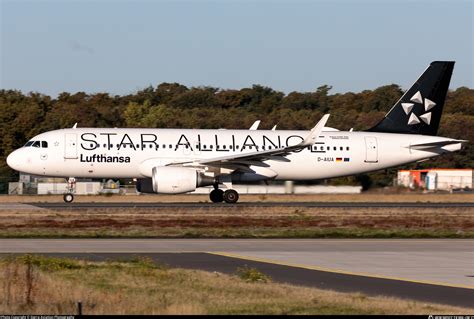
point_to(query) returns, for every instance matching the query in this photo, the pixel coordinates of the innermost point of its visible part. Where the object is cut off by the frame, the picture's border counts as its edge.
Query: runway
(207, 205)
(440, 271)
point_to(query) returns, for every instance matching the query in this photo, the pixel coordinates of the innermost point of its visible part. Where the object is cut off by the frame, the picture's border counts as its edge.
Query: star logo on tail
(408, 107)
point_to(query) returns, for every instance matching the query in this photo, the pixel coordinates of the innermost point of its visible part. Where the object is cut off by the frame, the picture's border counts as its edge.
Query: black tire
(231, 196)
(68, 198)
(217, 195)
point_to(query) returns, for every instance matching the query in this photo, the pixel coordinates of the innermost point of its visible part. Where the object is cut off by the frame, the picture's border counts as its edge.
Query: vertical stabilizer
(419, 109)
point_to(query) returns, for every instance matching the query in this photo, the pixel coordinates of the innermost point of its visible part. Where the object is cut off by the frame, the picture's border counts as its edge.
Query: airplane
(173, 161)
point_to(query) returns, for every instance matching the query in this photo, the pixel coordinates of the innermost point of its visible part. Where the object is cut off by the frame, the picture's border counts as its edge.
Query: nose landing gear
(71, 187)
(68, 198)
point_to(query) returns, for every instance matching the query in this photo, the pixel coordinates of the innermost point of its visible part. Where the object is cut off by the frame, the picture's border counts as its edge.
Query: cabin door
(371, 151)
(70, 145)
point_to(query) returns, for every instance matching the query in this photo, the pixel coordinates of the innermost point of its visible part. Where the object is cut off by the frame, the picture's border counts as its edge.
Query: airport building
(446, 179)
(39, 185)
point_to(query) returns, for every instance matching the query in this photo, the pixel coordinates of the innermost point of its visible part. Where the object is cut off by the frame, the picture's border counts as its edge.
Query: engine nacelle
(173, 180)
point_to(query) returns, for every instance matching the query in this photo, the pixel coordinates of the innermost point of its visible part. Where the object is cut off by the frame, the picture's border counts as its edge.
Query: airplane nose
(13, 160)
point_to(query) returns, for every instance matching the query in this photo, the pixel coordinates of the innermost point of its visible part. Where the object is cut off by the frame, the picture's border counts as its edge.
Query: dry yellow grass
(141, 288)
(363, 197)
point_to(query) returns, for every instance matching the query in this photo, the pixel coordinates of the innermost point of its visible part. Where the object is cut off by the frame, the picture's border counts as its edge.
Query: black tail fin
(419, 109)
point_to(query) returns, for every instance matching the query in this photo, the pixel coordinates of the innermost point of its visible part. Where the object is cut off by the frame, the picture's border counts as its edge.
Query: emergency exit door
(371, 151)
(70, 145)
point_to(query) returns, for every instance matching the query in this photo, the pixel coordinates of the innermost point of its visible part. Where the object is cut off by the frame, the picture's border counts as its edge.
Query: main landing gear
(71, 187)
(218, 195)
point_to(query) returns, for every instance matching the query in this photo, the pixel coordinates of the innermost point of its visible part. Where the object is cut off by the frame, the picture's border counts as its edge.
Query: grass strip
(37, 284)
(228, 232)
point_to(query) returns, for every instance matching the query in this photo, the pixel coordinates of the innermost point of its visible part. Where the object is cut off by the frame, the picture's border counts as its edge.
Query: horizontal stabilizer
(430, 145)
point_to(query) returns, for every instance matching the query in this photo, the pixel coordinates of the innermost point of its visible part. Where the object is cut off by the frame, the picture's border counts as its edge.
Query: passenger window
(36, 144)
(164, 145)
(328, 148)
(335, 148)
(210, 147)
(341, 148)
(347, 148)
(171, 146)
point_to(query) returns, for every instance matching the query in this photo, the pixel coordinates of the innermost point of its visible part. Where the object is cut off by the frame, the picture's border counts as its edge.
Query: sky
(124, 46)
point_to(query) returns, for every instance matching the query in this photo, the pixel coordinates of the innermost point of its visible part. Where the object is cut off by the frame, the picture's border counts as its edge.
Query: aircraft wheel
(216, 195)
(68, 198)
(231, 196)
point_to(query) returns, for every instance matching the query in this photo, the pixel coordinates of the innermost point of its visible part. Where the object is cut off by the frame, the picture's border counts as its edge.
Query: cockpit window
(42, 144)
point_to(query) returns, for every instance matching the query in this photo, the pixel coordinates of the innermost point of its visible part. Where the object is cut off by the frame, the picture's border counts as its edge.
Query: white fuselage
(132, 153)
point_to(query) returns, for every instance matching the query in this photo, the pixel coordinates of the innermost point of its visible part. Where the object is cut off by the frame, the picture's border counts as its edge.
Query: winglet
(75, 126)
(274, 127)
(255, 125)
(313, 135)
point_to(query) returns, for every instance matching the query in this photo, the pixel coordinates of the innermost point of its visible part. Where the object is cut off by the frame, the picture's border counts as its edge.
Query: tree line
(173, 105)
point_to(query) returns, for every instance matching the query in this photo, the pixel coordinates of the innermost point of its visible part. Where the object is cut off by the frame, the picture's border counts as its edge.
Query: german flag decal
(338, 159)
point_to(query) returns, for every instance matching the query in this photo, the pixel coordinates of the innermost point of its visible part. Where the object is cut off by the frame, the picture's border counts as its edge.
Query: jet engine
(173, 180)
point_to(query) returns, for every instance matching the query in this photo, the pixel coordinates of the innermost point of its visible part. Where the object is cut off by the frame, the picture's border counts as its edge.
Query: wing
(242, 161)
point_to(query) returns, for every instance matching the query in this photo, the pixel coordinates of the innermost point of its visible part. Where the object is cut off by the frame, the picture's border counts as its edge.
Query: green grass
(250, 274)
